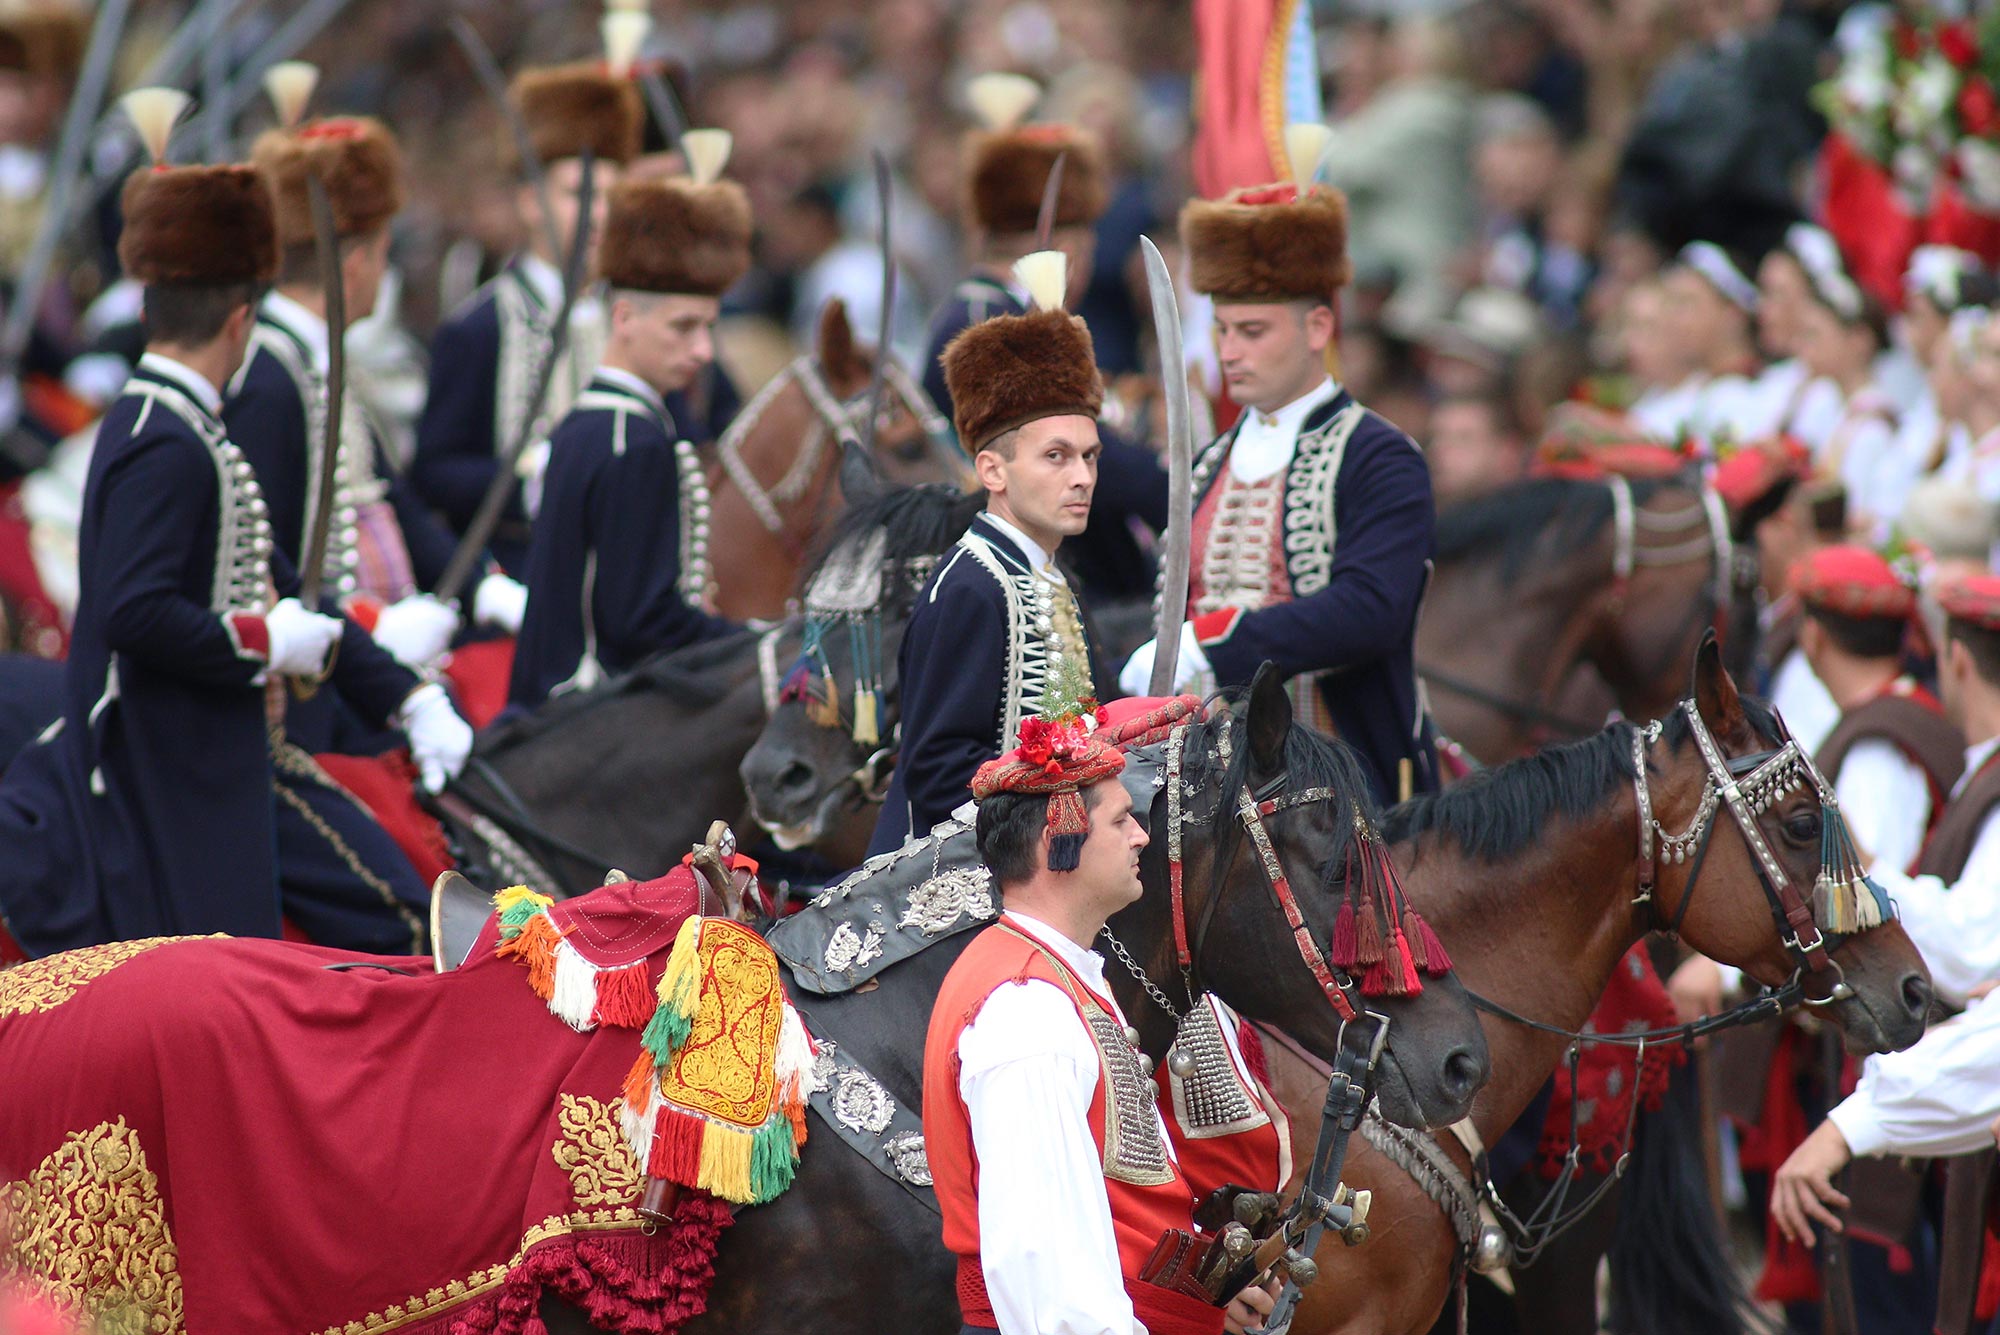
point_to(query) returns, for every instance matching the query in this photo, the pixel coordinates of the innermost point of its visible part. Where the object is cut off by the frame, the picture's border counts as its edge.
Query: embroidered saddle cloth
(207, 1134)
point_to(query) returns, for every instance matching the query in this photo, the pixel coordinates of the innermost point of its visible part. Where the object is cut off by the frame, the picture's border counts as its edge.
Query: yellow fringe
(514, 894)
(680, 985)
(725, 1161)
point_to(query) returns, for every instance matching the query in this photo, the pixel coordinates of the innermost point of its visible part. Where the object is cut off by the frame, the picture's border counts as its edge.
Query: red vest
(1146, 1192)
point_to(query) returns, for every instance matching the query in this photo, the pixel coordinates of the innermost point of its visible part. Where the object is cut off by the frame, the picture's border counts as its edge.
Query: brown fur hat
(569, 108)
(44, 39)
(1268, 244)
(676, 236)
(198, 226)
(1012, 369)
(355, 156)
(1008, 171)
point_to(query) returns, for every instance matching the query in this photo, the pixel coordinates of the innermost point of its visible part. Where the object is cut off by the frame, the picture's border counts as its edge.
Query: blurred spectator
(1476, 446)
(1518, 164)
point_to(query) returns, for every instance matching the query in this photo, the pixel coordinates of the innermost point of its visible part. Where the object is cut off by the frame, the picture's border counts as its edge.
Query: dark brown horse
(776, 482)
(1555, 600)
(848, 1250)
(1531, 874)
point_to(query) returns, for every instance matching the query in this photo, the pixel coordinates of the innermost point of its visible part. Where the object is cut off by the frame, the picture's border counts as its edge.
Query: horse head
(825, 753)
(1266, 818)
(1780, 892)
(779, 478)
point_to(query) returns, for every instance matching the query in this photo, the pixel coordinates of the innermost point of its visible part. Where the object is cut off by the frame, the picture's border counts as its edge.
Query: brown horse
(1546, 578)
(1532, 874)
(775, 483)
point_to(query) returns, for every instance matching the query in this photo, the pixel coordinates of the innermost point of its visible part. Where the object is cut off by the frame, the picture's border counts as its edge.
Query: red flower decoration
(1908, 43)
(1958, 44)
(1978, 110)
(1270, 194)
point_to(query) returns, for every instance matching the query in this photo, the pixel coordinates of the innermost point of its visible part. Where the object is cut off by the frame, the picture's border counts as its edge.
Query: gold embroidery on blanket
(483, 1281)
(592, 1150)
(89, 1227)
(44, 984)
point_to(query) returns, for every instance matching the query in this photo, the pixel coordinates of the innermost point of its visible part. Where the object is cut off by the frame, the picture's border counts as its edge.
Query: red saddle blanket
(229, 1135)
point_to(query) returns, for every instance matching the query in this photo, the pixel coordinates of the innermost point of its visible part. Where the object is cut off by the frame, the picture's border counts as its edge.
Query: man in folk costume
(1008, 165)
(188, 620)
(998, 625)
(485, 358)
(1314, 525)
(1951, 905)
(1028, 1063)
(384, 545)
(618, 569)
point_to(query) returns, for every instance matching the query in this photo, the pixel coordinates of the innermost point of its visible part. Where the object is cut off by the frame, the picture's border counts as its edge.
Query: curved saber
(495, 84)
(472, 547)
(660, 99)
(1045, 217)
(1180, 472)
(326, 245)
(884, 197)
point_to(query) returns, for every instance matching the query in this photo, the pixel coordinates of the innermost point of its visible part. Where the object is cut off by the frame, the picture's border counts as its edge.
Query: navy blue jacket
(1106, 557)
(458, 451)
(953, 685)
(1362, 624)
(150, 813)
(605, 567)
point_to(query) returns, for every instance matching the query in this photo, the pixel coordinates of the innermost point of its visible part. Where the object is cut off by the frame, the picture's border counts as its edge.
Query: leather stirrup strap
(1969, 1183)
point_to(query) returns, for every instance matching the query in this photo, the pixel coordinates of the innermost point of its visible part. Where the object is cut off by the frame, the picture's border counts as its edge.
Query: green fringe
(515, 917)
(774, 1159)
(664, 1033)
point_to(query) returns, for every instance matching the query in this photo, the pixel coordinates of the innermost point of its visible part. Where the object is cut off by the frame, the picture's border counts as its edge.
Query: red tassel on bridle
(1377, 934)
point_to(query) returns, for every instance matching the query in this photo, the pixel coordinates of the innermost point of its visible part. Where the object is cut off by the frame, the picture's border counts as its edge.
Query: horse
(1540, 875)
(1545, 577)
(846, 1248)
(777, 475)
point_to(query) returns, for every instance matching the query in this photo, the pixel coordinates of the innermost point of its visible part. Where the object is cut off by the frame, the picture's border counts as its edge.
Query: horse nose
(1465, 1070)
(1917, 995)
(794, 783)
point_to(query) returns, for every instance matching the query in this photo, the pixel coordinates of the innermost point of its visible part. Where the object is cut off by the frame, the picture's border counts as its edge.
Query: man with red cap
(1029, 1063)
(1893, 756)
(1951, 906)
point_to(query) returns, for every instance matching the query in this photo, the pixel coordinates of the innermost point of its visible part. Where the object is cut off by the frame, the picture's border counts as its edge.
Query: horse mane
(917, 521)
(1516, 520)
(686, 674)
(1497, 813)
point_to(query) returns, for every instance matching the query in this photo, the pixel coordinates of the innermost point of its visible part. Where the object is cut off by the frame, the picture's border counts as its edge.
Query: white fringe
(794, 1062)
(574, 995)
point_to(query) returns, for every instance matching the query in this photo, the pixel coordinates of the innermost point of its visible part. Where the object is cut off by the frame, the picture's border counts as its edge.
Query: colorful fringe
(579, 993)
(749, 1165)
(1846, 899)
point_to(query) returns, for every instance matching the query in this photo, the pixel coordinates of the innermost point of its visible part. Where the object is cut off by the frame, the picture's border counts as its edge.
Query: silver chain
(1125, 958)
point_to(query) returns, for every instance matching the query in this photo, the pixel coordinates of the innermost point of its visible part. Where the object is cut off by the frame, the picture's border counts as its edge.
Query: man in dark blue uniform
(382, 544)
(149, 809)
(1007, 175)
(1314, 525)
(998, 628)
(619, 566)
(486, 357)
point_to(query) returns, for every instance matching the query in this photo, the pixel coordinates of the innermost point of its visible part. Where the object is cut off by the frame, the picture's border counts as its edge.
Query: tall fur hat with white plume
(1282, 242)
(1013, 369)
(1008, 162)
(191, 226)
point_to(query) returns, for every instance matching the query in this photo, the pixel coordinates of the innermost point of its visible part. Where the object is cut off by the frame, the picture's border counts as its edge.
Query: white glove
(440, 740)
(1191, 670)
(416, 630)
(300, 640)
(500, 602)
(532, 468)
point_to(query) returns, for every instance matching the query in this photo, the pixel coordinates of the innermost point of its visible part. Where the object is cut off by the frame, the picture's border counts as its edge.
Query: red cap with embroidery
(1748, 475)
(1975, 599)
(1057, 758)
(1854, 582)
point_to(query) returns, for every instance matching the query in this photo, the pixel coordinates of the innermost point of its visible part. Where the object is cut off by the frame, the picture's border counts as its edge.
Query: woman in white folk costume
(1939, 282)
(1841, 333)
(1710, 305)
(1791, 400)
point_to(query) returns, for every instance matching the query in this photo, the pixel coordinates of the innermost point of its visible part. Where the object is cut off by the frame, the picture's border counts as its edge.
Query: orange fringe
(639, 1083)
(536, 948)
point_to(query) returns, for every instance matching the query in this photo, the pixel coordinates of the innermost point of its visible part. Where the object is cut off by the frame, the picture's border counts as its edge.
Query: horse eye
(912, 450)
(1803, 827)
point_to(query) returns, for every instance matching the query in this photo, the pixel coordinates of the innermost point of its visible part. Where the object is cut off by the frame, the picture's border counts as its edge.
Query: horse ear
(1715, 695)
(1270, 719)
(839, 360)
(860, 481)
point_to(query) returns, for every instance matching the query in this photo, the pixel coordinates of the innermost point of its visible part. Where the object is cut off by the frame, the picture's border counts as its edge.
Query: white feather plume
(1306, 143)
(625, 31)
(1046, 276)
(626, 6)
(153, 112)
(707, 153)
(1000, 101)
(290, 85)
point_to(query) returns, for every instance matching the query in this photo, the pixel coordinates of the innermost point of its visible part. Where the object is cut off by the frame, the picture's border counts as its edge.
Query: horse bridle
(1748, 786)
(839, 420)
